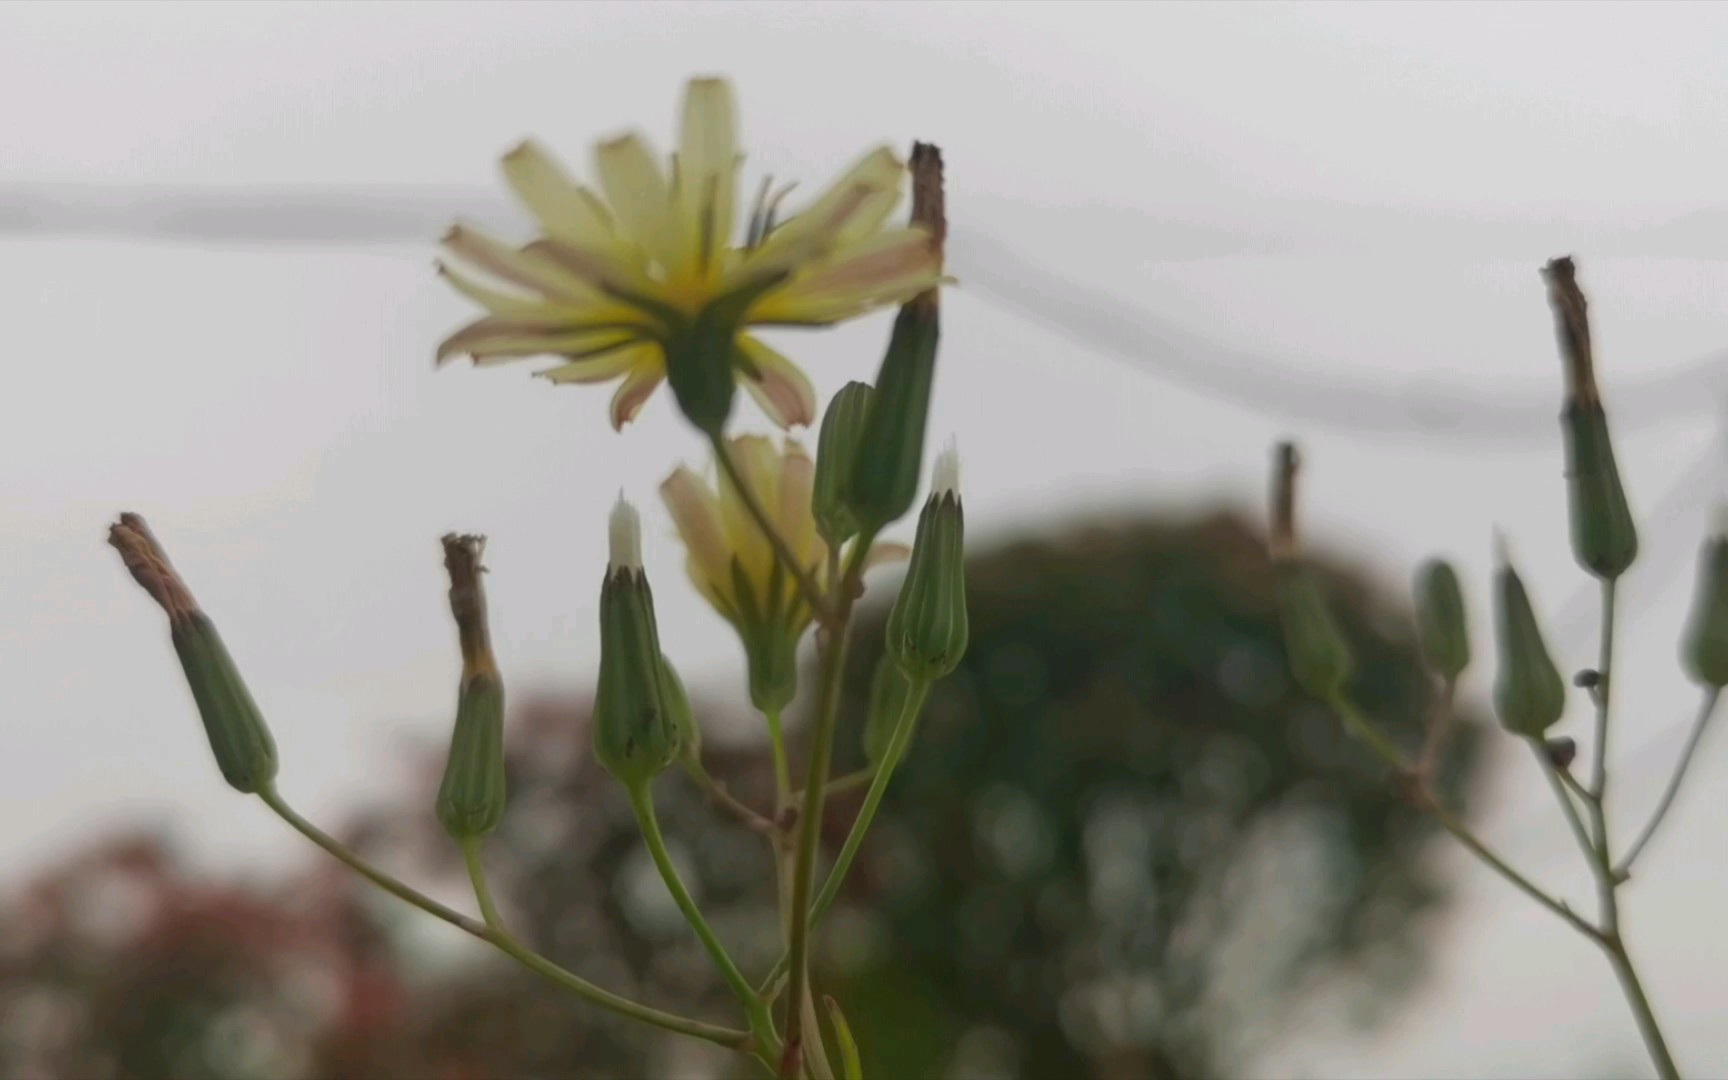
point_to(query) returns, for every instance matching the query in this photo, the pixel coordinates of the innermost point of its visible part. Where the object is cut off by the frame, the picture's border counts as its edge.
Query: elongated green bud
(1319, 656)
(1604, 538)
(1529, 693)
(836, 456)
(635, 732)
(471, 796)
(889, 692)
(683, 716)
(239, 738)
(891, 448)
(1440, 619)
(927, 628)
(1706, 647)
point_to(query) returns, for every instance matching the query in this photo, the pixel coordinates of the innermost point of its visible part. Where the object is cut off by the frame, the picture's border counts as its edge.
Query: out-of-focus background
(1124, 847)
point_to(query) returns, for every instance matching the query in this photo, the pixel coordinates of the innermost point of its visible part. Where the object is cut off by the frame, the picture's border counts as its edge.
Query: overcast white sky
(1360, 191)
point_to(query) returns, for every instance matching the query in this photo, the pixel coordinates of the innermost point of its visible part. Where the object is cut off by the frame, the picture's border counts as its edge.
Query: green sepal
(1529, 692)
(239, 738)
(890, 455)
(927, 629)
(1319, 656)
(1441, 622)
(471, 796)
(635, 732)
(836, 457)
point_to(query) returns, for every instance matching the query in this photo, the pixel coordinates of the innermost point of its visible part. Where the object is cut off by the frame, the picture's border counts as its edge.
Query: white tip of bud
(625, 529)
(945, 478)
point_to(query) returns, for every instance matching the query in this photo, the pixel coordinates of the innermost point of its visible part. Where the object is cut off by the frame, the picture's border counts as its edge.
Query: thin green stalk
(1558, 783)
(1623, 868)
(842, 784)
(719, 796)
(830, 678)
(497, 937)
(365, 869)
(1356, 722)
(782, 771)
(897, 744)
(482, 892)
(1602, 865)
(642, 802)
(801, 574)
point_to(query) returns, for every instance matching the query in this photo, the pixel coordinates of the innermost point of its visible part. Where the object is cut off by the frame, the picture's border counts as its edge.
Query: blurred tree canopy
(1123, 845)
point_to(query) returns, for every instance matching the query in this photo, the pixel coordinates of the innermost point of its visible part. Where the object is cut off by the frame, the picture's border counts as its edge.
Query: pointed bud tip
(1502, 548)
(625, 531)
(946, 474)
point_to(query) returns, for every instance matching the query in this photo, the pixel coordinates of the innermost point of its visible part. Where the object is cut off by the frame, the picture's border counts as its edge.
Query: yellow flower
(616, 272)
(733, 565)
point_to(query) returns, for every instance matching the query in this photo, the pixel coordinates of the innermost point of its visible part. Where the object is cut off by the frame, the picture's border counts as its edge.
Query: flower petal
(566, 210)
(855, 197)
(519, 305)
(888, 268)
(696, 514)
(881, 553)
(641, 200)
(496, 338)
(595, 368)
(518, 268)
(775, 382)
(647, 370)
(793, 515)
(708, 164)
(759, 464)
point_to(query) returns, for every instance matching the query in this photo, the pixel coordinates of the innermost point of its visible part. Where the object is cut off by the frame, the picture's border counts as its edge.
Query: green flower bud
(239, 738)
(890, 690)
(635, 732)
(1706, 648)
(1440, 620)
(927, 628)
(836, 455)
(471, 796)
(1604, 538)
(683, 716)
(891, 447)
(1529, 693)
(1320, 658)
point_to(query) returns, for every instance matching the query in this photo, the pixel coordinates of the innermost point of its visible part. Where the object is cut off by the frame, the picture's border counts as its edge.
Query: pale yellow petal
(598, 368)
(496, 338)
(641, 200)
(518, 268)
(854, 198)
(776, 383)
(793, 515)
(516, 305)
(647, 370)
(888, 268)
(561, 205)
(696, 514)
(708, 164)
(759, 464)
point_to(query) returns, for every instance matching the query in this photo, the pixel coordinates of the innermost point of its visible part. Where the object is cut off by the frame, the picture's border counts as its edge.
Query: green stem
(1623, 869)
(897, 744)
(1561, 792)
(1602, 865)
(830, 677)
(782, 551)
(365, 869)
(761, 1024)
(782, 771)
(1355, 721)
(719, 796)
(477, 875)
(498, 938)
